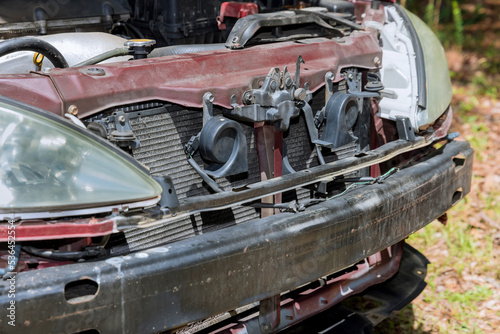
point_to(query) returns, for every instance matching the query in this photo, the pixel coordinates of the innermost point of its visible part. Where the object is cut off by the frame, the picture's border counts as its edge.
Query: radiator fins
(163, 137)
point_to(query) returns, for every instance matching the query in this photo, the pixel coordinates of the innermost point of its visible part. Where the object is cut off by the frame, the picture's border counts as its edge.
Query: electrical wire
(378, 179)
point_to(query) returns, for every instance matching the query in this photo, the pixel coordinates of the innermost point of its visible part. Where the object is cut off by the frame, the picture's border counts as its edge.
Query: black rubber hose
(36, 45)
(134, 30)
(63, 255)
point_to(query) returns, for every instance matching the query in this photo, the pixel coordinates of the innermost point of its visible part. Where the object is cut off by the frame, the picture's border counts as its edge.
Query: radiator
(163, 136)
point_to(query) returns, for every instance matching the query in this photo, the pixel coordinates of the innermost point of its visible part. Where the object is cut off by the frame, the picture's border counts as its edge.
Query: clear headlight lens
(47, 164)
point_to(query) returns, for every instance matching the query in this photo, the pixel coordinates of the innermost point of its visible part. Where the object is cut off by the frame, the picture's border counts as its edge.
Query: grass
(463, 292)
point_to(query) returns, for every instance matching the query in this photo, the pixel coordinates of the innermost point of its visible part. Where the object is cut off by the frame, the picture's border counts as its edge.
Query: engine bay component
(223, 143)
(274, 102)
(247, 27)
(19, 18)
(169, 197)
(232, 11)
(140, 48)
(36, 45)
(77, 48)
(341, 114)
(88, 253)
(123, 135)
(336, 6)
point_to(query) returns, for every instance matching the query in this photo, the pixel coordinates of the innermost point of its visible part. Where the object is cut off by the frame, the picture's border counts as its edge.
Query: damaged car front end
(234, 187)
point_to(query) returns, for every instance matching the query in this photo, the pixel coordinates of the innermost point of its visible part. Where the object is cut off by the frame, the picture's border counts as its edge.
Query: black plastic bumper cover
(168, 286)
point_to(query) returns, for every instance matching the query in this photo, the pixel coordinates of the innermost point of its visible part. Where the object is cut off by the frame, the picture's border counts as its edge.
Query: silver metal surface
(75, 47)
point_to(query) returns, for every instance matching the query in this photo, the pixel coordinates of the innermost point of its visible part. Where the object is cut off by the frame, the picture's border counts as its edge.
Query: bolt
(300, 94)
(247, 98)
(209, 97)
(350, 76)
(377, 61)
(95, 71)
(273, 85)
(73, 110)
(121, 119)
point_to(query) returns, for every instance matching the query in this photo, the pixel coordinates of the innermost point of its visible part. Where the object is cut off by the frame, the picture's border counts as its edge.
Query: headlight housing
(48, 164)
(414, 70)
(437, 76)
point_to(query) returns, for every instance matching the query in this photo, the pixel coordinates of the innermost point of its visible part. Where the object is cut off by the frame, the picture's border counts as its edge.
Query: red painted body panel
(47, 230)
(185, 78)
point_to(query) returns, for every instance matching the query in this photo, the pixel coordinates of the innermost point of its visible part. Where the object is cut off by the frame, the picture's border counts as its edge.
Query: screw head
(247, 97)
(377, 61)
(209, 97)
(73, 110)
(121, 119)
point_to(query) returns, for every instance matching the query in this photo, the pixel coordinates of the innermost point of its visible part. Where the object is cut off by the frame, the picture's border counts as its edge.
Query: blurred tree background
(470, 31)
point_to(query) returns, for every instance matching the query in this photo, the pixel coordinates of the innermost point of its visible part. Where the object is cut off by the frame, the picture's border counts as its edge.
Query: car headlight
(414, 70)
(437, 77)
(48, 164)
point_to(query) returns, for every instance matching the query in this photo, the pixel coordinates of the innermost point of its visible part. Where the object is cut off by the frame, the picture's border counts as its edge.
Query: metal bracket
(353, 79)
(300, 60)
(123, 136)
(169, 197)
(329, 85)
(269, 314)
(405, 130)
(208, 107)
(246, 27)
(278, 100)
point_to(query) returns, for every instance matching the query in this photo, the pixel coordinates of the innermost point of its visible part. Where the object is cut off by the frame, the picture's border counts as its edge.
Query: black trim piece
(419, 57)
(246, 27)
(168, 286)
(299, 178)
